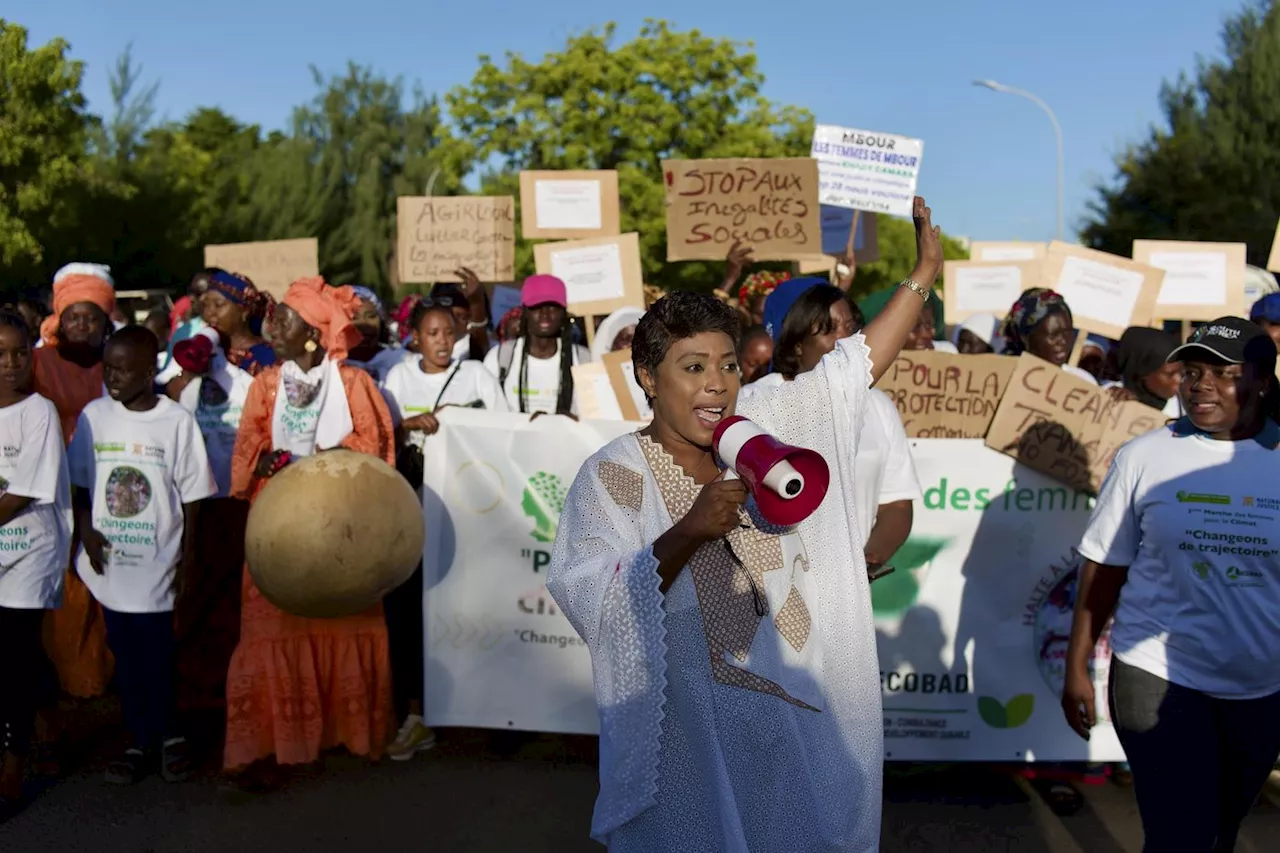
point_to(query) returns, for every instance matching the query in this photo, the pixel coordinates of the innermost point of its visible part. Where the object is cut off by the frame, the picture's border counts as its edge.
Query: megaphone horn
(787, 482)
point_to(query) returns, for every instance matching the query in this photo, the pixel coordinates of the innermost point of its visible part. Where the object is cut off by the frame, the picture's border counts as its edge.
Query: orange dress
(299, 686)
(75, 636)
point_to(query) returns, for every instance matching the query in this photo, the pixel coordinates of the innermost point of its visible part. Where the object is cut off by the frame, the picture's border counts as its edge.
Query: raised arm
(886, 334)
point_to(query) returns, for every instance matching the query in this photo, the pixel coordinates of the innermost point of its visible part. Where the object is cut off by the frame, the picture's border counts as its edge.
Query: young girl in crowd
(35, 534)
(298, 686)
(417, 390)
(208, 617)
(535, 370)
(139, 469)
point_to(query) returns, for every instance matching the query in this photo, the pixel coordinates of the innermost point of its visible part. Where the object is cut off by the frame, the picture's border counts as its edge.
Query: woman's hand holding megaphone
(714, 513)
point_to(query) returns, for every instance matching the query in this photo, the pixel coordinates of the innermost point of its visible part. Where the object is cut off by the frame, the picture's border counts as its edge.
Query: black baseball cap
(1234, 340)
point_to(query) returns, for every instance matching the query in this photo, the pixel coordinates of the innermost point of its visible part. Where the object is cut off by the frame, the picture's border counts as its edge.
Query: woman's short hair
(809, 315)
(674, 317)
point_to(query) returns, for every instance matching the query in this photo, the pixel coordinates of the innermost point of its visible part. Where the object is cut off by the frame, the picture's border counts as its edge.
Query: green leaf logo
(895, 593)
(1202, 569)
(542, 502)
(1011, 716)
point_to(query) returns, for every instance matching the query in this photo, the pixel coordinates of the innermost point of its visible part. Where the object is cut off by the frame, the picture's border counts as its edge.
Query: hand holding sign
(928, 244)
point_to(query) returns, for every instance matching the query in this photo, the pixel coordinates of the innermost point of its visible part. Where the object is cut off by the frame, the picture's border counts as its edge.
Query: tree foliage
(146, 197)
(1213, 172)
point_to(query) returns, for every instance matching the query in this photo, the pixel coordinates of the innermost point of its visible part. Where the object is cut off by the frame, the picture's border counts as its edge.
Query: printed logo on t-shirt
(1203, 498)
(128, 492)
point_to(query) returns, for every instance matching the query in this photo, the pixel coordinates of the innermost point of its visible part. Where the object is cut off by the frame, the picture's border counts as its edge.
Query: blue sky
(988, 169)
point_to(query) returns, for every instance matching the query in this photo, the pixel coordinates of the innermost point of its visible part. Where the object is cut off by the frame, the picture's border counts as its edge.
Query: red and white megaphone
(788, 482)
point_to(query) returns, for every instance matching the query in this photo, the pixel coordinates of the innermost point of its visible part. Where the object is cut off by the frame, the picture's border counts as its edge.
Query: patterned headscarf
(368, 295)
(239, 290)
(760, 284)
(1027, 313)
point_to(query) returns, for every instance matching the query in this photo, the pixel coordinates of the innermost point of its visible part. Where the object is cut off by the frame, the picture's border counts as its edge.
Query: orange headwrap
(70, 290)
(328, 309)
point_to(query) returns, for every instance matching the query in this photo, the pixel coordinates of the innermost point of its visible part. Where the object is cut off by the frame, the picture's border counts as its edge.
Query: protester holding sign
(35, 532)
(299, 686)
(808, 317)
(68, 373)
(1040, 323)
(1182, 548)
(735, 662)
(535, 369)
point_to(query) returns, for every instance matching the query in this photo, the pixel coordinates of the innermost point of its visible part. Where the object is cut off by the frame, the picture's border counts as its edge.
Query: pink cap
(541, 289)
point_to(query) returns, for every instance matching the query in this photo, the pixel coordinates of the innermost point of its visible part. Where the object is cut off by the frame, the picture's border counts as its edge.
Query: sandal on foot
(129, 769)
(175, 760)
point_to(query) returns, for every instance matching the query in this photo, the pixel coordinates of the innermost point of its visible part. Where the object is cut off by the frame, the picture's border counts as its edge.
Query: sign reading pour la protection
(866, 170)
(972, 626)
(941, 395)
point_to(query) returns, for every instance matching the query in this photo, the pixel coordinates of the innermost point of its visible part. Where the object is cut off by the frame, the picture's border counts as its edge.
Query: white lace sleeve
(604, 577)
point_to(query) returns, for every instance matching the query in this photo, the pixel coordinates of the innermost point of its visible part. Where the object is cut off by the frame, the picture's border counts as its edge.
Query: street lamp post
(1057, 129)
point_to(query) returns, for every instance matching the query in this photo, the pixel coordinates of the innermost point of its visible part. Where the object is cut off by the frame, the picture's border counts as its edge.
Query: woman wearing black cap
(1183, 547)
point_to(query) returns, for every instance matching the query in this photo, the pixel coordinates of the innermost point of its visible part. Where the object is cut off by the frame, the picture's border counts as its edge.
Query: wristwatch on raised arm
(916, 287)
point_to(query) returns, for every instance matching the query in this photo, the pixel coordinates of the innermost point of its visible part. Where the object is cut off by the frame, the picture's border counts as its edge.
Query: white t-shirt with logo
(139, 468)
(33, 546)
(883, 470)
(1197, 522)
(413, 392)
(542, 387)
(217, 411)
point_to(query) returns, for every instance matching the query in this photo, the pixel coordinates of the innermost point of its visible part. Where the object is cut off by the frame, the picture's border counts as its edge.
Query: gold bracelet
(916, 287)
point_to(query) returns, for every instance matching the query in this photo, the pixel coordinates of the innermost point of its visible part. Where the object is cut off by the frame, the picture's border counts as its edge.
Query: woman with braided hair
(535, 370)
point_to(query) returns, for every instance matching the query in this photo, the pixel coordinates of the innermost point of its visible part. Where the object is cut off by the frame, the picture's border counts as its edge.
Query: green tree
(602, 105)
(897, 240)
(43, 126)
(1212, 172)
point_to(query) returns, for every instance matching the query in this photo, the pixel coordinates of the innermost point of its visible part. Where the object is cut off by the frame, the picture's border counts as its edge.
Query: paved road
(466, 796)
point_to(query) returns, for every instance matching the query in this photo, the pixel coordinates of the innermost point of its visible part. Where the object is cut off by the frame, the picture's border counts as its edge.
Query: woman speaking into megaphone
(734, 659)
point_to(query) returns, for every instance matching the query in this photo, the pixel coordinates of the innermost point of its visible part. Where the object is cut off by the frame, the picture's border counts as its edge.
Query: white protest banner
(972, 625)
(1202, 281)
(865, 170)
(1106, 293)
(984, 287)
(272, 265)
(499, 654)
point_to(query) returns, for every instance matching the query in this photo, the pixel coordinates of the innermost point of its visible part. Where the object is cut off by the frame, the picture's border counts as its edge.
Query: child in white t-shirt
(416, 390)
(138, 468)
(35, 530)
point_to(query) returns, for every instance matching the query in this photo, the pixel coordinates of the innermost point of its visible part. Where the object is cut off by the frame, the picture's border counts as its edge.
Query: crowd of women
(172, 428)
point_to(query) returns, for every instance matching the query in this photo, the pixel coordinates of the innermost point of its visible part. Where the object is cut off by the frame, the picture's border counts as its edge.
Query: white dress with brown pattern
(741, 711)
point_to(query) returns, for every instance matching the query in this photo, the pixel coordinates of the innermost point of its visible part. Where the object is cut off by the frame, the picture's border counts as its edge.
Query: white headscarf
(609, 329)
(986, 327)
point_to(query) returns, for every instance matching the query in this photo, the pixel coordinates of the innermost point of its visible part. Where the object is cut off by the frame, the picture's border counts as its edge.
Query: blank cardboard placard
(1106, 293)
(985, 287)
(622, 377)
(770, 205)
(600, 275)
(272, 265)
(1005, 250)
(438, 234)
(593, 392)
(1202, 281)
(1063, 426)
(943, 395)
(569, 205)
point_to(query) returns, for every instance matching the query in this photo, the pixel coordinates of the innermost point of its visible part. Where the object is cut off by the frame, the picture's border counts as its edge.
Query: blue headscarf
(1266, 309)
(779, 302)
(238, 289)
(368, 296)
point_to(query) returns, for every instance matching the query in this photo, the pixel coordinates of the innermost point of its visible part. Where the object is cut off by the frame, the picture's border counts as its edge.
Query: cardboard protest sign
(627, 391)
(769, 205)
(1202, 281)
(864, 170)
(836, 222)
(984, 287)
(1273, 260)
(600, 275)
(992, 250)
(943, 395)
(439, 234)
(569, 205)
(1063, 426)
(272, 265)
(1106, 293)
(593, 392)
